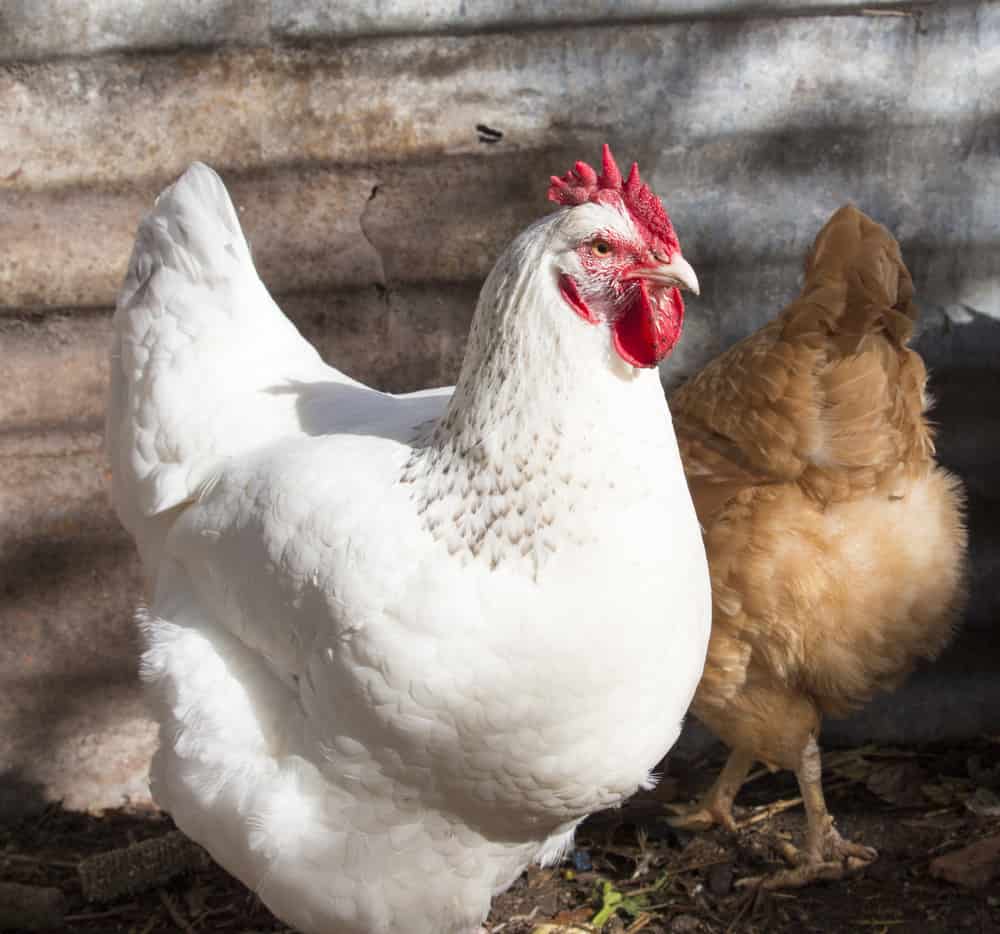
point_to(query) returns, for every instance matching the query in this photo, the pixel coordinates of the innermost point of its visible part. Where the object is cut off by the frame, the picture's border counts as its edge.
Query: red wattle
(567, 286)
(644, 333)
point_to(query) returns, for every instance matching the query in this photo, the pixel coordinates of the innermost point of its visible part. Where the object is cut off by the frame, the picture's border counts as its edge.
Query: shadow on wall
(958, 695)
(71, 720)
(962, 348)
(20, 797)
(84, 739)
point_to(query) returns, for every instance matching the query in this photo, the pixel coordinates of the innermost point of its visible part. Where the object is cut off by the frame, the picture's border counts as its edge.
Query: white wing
(205, 366)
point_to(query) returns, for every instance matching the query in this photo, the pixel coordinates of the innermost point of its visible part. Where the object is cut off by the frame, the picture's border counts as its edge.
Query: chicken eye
(600, 248)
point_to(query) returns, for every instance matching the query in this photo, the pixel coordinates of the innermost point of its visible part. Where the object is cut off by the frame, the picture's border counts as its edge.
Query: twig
(770, 811)
(644, 920)
(40, 860)
(748, 903)
(97, 915)
(515, 919)
(174, 912)
(661, 905)
(691, 867)
(212, 913)
(952, 843)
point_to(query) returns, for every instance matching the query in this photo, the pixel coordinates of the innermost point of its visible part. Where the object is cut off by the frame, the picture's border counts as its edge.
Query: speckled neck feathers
(543, 413)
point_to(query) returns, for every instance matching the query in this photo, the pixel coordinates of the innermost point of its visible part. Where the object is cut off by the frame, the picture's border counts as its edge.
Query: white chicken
(384, 633)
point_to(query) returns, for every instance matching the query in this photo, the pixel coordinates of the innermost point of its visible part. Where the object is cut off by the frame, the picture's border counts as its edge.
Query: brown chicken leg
(810, 461)
(716, 806)
(826, 855)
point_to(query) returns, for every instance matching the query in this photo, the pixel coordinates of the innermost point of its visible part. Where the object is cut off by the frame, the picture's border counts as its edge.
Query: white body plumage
(398, 646)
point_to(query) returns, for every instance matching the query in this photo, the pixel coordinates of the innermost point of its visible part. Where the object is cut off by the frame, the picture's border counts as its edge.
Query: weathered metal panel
(374, 210)
(38, 29)
(663, 88)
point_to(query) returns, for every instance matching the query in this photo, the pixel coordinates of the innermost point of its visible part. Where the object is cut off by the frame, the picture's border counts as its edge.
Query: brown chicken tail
(856, 284)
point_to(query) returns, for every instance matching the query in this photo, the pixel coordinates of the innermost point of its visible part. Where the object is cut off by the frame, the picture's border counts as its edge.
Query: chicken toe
(834, 848)
(699, 816)
(826, 855)
(716, 806)
(837, 859)
(800, 876)
(824, 844)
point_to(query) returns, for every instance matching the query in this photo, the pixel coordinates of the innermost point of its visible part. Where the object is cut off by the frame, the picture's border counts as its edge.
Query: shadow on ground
(630, 870)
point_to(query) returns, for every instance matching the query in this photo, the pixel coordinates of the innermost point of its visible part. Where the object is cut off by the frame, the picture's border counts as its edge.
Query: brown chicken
(835, 542)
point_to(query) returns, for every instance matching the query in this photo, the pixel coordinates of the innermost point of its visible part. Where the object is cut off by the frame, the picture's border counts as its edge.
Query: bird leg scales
(716, 806)
(826, 854)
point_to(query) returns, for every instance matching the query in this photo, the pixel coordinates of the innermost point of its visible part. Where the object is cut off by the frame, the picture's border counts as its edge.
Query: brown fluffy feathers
(835, 542)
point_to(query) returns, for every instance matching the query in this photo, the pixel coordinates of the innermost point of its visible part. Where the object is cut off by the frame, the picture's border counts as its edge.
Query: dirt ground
(631, 872)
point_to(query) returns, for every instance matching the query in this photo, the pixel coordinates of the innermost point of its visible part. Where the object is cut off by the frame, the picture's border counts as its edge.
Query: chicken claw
(826, 855)
(836, 848)
(842, 860)
(699, 816)
(716, 807)
(801, 876)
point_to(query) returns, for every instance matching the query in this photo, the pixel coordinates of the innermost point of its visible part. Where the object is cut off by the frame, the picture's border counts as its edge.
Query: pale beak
(677, 272)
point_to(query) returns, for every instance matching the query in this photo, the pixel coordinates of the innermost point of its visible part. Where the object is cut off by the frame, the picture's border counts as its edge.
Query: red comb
(582, 184)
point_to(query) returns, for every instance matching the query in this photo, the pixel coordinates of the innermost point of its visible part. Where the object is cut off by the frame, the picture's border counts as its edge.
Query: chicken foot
(826, 855)
(716, 806)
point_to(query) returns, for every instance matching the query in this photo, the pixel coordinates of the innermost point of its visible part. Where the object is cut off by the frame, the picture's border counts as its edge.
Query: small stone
(685, 924)
(984, 803)
(660, 830)
(720, 879)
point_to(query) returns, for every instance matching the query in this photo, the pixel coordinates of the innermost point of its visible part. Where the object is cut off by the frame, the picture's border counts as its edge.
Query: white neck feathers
(544, 422)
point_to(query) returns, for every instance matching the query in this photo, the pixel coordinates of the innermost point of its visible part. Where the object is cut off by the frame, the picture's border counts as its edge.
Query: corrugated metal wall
(347, 132)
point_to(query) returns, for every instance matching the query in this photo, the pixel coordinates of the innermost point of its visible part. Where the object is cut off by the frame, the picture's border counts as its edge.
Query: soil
(630, 871)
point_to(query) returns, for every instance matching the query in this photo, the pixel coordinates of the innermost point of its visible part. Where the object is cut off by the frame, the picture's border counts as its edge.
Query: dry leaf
(897, 782)
(971, 867)
(983, 803)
